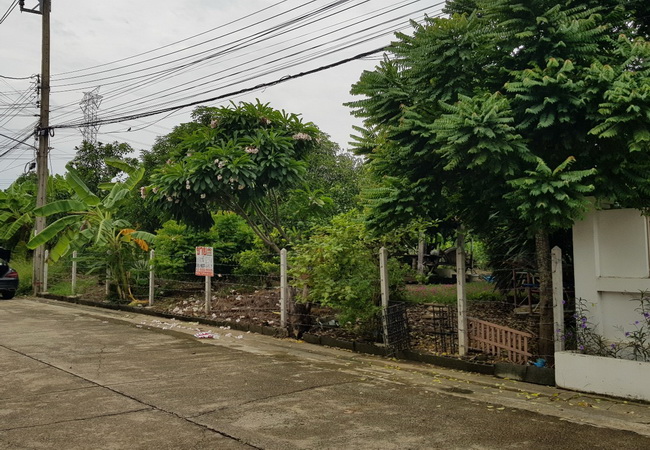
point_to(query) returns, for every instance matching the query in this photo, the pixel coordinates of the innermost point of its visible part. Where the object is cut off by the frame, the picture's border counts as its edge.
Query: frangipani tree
(90, 221)
(244, 158)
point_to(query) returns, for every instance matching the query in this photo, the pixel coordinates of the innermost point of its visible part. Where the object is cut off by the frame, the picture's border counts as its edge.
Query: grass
(65, 287)
(446, 293)
(24, 269)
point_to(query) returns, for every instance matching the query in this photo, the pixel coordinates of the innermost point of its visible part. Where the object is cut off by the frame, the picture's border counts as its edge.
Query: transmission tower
(89, 105)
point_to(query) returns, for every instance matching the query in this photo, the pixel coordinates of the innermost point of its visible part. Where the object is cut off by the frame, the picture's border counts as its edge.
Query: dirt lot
(262, 307)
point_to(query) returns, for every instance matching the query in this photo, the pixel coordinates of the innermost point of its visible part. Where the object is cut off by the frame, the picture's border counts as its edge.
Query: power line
(183, 89)
(16, 78)
(230, 94)
(9, 11)
(173, 43)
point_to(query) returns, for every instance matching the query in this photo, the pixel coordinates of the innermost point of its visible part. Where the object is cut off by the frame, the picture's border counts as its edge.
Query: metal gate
(396, 329)
(444, 329)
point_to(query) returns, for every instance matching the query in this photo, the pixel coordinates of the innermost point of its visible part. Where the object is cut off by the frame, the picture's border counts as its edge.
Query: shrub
(255, 267)
(175, 245)
(339, 266)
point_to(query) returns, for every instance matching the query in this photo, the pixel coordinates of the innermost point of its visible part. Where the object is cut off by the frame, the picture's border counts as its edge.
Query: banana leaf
(52, 231)
(80, 188)
(25, 219)
(61, 206)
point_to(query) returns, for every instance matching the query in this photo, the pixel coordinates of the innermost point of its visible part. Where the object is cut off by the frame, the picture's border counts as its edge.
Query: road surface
(76, 377)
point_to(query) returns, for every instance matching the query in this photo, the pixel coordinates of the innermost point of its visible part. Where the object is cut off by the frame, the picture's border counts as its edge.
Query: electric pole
(43, 133)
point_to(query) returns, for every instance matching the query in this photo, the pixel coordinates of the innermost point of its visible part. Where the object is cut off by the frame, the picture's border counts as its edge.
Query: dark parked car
(8, 276)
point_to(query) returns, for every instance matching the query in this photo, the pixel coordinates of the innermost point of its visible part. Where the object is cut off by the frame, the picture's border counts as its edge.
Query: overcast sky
(239, 45)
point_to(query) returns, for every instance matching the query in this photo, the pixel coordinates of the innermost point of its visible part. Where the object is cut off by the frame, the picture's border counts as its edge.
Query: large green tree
(253, 160)
(514, 111)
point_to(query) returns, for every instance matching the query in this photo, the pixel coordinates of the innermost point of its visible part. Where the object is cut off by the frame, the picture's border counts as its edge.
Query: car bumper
(8, 284)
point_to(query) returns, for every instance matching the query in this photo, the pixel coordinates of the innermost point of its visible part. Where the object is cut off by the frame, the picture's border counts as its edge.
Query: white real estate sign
(204, 262)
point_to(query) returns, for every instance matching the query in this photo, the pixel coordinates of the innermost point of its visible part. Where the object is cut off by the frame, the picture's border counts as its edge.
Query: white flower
(301, 137)
(240, 187)
(189, 155)
(216, 161)
(143, 192)
(155, 190)
(169, 161)
(169, 199)
(214, 123)
(252, 150)
(232, 180)
(222, 164)
(202, 195)
(265, 121)
(219, 177)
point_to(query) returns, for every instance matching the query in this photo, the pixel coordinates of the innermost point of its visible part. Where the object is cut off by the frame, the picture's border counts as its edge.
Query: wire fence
(238, 295)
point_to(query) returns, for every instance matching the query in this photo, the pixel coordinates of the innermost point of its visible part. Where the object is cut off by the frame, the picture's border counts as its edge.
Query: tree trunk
(543, 253)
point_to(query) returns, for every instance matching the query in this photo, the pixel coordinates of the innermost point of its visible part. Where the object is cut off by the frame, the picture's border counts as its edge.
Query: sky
(150, 55)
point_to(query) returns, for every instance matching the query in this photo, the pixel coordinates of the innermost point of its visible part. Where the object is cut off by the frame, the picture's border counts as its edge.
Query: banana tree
(16, 213)
(90, 221)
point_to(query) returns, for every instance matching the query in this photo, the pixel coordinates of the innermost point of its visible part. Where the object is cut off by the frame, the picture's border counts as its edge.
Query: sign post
(205, 268)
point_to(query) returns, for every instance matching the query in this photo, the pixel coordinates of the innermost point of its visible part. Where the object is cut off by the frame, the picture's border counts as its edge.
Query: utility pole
(43, 133)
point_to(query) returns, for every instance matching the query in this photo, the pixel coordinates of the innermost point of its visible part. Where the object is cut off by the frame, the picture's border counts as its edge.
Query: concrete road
(74, 377)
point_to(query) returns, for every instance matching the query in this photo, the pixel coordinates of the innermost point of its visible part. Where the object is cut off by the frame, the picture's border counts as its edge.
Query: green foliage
(470, 113)
(339, 267)
(244, 159)
(25, 268)
(551, 198)
(469, 104)
(255, 267)
(88, 221)
(175, 245)
(90, 162)
(17, 205)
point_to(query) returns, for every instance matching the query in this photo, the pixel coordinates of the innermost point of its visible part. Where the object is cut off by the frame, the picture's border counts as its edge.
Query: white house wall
(612, 266)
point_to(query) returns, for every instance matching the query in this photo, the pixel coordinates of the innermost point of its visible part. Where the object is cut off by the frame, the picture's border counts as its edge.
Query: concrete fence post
(463, 338)
(284, 288)
(383, 283)
(152, 253)
(421, 248)
(558, 299)
(73, 288)
(107, 282)
(45, 271)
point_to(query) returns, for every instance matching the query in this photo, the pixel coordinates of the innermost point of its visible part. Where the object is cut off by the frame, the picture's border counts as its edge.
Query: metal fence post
(284, 288)
(151, 277)
(208, 294)
(463, 340)
(383, 283)
(45, 271)
(558, 298)
(73, 288)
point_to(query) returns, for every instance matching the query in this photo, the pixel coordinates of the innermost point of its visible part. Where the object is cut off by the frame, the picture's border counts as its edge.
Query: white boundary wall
(612, 265)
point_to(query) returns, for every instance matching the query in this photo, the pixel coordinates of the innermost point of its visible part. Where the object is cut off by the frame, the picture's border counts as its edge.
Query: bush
(339, 266)
(255, 267)
(175, 245)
